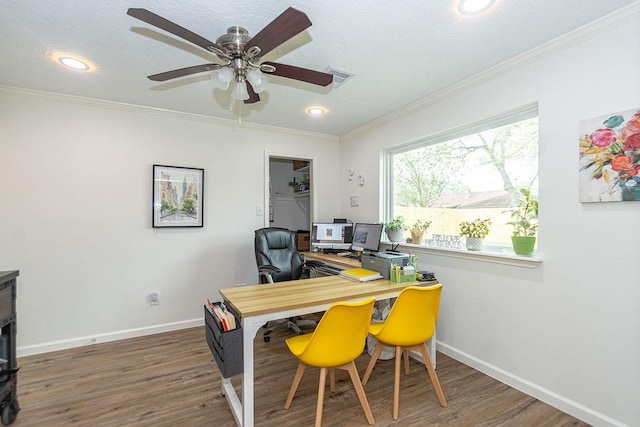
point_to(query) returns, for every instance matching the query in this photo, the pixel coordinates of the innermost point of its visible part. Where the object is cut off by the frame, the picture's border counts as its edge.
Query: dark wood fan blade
(175, 29)
(253, 96)
(303, 74)
(286, 25)
(173, 74)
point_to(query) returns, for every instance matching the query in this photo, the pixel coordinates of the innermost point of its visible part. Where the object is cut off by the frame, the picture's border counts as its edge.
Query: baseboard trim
(549, 397)
(108, 337)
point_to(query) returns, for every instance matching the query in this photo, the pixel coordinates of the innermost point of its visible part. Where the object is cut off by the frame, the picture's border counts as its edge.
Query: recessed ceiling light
(316, 111)
(470, 7)
(73, 62)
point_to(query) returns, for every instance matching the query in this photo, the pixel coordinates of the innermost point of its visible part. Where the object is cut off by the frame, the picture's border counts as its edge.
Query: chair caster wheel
(10, 412)
(266, 338)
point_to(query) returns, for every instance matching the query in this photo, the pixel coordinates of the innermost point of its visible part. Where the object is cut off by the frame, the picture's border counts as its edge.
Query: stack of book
(361, 274)
(226, 321)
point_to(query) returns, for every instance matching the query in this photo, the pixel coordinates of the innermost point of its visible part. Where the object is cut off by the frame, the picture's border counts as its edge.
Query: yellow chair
(409, 325)
(336, 342)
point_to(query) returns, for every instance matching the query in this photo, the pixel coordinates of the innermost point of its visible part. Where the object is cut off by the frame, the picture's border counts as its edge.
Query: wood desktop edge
(332, 259)
(228, 297)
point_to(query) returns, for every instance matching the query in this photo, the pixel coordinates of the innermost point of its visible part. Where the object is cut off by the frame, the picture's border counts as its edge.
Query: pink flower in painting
(612, 151)
(632, 142)
(603, 137)
(633, 126)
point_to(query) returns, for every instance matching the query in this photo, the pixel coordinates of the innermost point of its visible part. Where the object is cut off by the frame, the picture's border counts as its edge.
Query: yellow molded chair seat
(409, 325)
(336, 342)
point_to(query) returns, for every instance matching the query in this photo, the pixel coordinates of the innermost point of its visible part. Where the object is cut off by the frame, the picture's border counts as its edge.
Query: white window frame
(525, 112)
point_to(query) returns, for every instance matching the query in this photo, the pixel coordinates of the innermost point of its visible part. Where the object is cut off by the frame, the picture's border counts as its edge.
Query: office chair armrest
(268, 269)
(267, 272)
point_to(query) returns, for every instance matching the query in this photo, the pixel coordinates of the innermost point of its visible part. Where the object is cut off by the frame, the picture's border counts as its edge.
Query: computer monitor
(328, 235)
(366, 237)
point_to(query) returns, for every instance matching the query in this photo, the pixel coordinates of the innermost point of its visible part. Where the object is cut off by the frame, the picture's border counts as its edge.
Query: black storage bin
(226, 347)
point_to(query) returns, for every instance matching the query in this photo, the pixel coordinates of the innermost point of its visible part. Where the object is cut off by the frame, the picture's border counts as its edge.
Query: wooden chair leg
(295, 384)
(355, 379)
(396, 383)
(372, 362)
(432, 374)
(406, 361)
(321, 385)
(332, 379)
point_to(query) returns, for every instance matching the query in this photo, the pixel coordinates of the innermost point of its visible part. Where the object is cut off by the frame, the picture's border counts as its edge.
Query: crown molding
(566, 41)
(125, 107)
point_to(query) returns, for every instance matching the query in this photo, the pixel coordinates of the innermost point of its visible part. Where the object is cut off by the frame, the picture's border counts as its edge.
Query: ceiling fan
(241, 54)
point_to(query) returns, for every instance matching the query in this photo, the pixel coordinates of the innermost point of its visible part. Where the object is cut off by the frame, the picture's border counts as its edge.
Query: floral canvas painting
(610, 157)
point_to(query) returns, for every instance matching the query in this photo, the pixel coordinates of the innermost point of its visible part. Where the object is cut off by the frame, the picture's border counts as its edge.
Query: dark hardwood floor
(171, 379)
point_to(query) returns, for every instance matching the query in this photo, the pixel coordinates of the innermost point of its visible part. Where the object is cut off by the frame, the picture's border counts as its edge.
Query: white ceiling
(400, 51)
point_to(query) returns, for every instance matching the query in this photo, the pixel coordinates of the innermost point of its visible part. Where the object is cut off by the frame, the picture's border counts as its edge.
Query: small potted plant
(395, 229)
(417, 230)
(524, 219)
(475, 231)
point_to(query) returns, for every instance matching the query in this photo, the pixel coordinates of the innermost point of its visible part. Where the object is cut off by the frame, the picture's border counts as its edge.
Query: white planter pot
(395, 236)
(474, 243)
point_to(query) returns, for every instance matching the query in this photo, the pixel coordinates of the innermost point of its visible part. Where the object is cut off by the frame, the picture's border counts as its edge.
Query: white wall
(75, 215)
(567, 331)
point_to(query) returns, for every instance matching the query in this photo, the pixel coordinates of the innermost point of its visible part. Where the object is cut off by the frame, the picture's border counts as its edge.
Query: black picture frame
(178, 194)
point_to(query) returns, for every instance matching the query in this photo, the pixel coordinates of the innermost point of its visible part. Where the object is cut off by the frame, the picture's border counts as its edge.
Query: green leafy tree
(166, 207)
(188, 207)
(422, 175)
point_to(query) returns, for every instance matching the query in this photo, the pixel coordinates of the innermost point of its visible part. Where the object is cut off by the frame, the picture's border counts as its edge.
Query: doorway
(289, 193)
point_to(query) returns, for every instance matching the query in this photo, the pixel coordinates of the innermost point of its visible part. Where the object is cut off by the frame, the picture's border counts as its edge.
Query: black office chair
(278, 260)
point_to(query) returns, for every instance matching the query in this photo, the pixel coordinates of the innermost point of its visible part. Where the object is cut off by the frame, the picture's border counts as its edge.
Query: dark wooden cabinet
(8, 366)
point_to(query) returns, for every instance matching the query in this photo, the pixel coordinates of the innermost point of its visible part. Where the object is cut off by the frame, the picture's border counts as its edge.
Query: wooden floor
(171, 379)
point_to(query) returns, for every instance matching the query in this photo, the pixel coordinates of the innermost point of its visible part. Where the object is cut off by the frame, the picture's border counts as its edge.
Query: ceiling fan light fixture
(239, 91)
(222, 77)
(258, 81)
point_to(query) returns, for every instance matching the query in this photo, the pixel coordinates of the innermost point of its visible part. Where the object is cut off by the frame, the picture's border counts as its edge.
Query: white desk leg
(249, 330)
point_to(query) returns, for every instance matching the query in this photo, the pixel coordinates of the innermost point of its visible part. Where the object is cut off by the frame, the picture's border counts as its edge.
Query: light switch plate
(259, 210)
(355, 200)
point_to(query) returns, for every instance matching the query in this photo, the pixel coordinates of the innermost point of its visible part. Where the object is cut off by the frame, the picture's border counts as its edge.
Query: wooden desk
(332, 259)
(258, 304)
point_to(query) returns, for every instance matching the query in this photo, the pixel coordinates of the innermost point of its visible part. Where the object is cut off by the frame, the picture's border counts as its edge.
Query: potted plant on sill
(524, 217)
(417, 230)
(395, 229)
(475, 231)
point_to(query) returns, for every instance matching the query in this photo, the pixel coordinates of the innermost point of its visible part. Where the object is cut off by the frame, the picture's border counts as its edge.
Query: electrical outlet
(154, 298)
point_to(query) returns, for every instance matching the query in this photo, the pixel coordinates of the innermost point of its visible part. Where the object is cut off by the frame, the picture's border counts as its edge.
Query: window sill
(485, 256)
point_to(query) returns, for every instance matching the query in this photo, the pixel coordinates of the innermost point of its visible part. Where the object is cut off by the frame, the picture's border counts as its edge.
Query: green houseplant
(524, 219)
(475, 231)
(395, 229)
(417, 230)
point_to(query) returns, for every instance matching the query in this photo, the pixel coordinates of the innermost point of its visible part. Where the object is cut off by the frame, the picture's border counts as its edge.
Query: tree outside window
(474, 175)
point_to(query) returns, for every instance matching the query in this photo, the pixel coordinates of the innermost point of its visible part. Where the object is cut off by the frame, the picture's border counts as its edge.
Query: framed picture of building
(177, 196)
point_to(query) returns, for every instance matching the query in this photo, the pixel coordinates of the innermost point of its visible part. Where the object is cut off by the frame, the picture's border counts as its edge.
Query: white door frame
(312, 176)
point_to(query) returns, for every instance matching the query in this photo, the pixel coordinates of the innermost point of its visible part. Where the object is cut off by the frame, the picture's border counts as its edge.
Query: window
(460, 175)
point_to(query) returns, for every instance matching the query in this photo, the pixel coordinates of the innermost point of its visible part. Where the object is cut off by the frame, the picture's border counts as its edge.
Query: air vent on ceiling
(339, 76)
